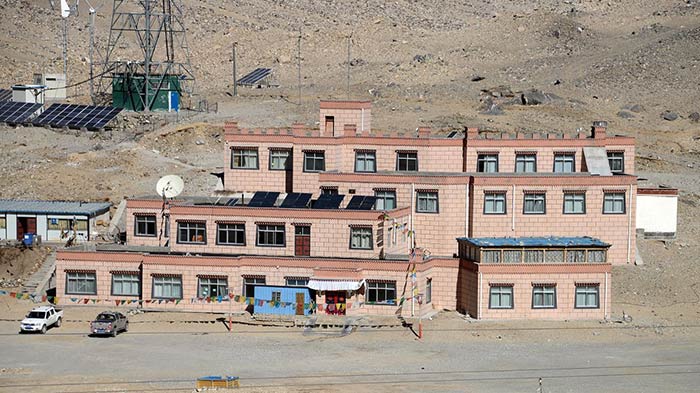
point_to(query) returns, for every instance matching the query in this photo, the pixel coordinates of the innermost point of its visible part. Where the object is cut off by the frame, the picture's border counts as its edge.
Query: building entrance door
(335, 302)
(300, 303)
(302, 241)
(25, 225)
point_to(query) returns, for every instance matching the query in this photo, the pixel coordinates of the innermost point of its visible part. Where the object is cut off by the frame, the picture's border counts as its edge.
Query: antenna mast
(163, 70)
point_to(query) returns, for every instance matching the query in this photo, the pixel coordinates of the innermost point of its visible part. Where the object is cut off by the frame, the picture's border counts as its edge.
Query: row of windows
(550, 255)
(563, 162)
(234, 234)
(544, 296)
(315, 161)
(536, 203)
(170, 287)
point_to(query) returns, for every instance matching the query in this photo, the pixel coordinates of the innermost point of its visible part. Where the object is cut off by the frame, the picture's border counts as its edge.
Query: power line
(350, 379)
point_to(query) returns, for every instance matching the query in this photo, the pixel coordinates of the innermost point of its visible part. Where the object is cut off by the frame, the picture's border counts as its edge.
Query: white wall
(657, 213)
(12, 226)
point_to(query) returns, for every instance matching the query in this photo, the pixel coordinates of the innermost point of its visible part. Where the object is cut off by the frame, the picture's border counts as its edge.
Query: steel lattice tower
(161, 67)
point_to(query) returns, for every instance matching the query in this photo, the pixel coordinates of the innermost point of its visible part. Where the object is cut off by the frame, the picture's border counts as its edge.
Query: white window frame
(384, 288)
(266, 232)
(131, 279)
(587, 293)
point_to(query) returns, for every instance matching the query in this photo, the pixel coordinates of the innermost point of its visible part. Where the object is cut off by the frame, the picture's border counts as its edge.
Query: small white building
(657, 212)
(55, 85)
(33, 94)
(52, 220)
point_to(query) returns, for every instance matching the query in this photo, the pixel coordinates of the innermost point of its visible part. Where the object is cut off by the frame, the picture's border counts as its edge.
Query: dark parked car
(109, 322)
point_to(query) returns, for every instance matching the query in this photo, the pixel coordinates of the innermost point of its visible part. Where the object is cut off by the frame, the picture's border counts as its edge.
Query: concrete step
(37, 284)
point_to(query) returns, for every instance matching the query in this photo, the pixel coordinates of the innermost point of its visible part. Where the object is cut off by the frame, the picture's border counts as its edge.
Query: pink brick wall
(522, 294)
(442, 272)
(131, 237)
(616, 229)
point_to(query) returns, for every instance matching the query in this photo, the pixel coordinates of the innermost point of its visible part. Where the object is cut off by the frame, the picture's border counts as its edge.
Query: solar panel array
(361, 202)
(17, 112)
(328, 201)
(263, 199)
(296, 200)
(231, 202)
(5, 95)
(77, 116)
(255, 76)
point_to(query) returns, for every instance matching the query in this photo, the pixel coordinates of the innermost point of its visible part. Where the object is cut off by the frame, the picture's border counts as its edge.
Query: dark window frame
(563, 158)
(383, 196)
(428, 290)
(188, 223)
(315, 158)
(484, 160)
(229, 230)
(597, 297)
(544, 307)
(210, 285)
(531, 195)
(428, 195)
(519, 160)
(68, 280)
(367, 155)
(505, 203)
(500, 293)
(373, 291)
(570, 194)
(244, 157)
(138, 287)
(286, 160)
(363, 229)
(153, 287)
(616, 156)
(405, 158)
(612, 194)
(137, 223)
(259, 230)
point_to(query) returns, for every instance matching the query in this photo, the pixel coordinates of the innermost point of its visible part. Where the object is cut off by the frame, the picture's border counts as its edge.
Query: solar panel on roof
(5, 95)
(361, 202)
(263, 199)
(328, 201)
(231, 202)
(255, 76)
(17, 112)
(452, 134)
(296, 200)
(77, 116)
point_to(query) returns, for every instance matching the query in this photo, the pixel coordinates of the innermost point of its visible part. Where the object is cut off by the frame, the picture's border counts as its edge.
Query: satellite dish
(170, 186)
(65, 9)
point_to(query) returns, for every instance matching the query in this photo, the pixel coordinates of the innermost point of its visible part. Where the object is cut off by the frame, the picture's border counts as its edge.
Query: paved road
(270, 359)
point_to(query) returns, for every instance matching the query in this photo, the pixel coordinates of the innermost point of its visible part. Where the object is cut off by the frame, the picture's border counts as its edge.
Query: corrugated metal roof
(551, 241)
(53, 207)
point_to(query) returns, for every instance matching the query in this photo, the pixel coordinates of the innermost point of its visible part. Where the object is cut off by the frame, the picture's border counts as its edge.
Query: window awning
(335, 285)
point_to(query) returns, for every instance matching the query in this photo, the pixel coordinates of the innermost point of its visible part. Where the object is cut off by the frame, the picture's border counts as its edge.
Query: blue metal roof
(551, 241)
(53, 207)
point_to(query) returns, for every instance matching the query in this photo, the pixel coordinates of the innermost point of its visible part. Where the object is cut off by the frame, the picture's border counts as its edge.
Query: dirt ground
(421, 63)
(455, 354)
(18, 263)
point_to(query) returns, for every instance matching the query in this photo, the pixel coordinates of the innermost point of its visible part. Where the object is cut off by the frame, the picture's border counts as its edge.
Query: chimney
(298, 129)
(599, 129)
(472, 133)
(231, 127)
(423, 132)
(349, 130)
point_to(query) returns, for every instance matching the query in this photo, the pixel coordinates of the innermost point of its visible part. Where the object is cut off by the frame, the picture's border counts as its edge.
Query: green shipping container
(129, 92)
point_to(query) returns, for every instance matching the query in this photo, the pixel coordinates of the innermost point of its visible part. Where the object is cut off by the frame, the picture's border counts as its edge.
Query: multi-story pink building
(347, 212)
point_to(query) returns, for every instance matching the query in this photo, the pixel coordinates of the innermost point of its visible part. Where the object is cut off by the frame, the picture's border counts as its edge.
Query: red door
(25, 225)
(335, 303)
(302, 241)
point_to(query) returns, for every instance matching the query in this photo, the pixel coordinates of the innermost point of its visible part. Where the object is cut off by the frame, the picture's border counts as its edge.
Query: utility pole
(299, 66)
(92, 45)
(349, 37)
(149, 54)
(65, 47)
(235, 79)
